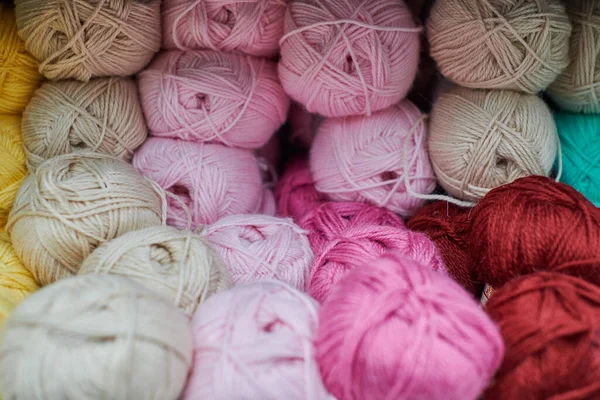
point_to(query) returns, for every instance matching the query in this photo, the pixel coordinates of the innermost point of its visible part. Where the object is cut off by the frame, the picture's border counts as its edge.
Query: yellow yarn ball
(12, 163)
(6, 308)
(19, 75)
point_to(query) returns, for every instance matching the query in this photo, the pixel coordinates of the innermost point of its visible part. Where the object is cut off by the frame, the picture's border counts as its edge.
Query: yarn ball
(349, 58)
(16, 282)
(72, 204)
(419, 335)
(249, 27)
(177, 264)
(260, 247)
(295, 191)
(481, 139)
(19, 75)
(255, 342)
(535, 224)
(103, 115)
(6, 308)
(93, 337)
(577, 89)
(374, 159)
(83, 39)
(496, 44)
(550, 325)
(206, 181)
(209, 96)
(12, 163)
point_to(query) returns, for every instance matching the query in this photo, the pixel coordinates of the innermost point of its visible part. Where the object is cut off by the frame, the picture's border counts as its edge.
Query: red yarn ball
(550, 324)
(295, 192)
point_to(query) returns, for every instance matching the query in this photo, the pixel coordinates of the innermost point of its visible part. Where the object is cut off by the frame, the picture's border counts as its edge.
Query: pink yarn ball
(259, 247)
(348, 57)
(295, 192)
(255, 342)
(394, 329)
(206, 181)
(208, 96)
(249, 26)
(370, 159)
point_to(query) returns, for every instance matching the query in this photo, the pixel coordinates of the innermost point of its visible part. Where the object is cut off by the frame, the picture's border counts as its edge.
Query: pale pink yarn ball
(241, 26)
(259, 247)
(214, 97)
(206, 182)
(255, 342)
(348, 57)
(371, 159)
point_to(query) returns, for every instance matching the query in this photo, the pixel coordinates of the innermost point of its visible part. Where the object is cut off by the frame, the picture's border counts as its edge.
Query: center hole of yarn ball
(349, 65)
(225, 16)
(183, 193)
(202, 102)
(389, 176)
(160, 254)
(252, 235)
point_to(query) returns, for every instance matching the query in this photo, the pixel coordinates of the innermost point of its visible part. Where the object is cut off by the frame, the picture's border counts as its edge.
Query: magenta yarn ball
(348, 57)
(394, 329)
(205, 182)
(371, 159)
(255, 342)
(214, 97)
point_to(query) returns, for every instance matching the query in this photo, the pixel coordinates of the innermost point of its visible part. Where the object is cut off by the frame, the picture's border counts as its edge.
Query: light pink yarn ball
(255, 342)
(244, 26)
(206, 182)
(371, 159)
(259, 247)
(214, 97)
(348, 57)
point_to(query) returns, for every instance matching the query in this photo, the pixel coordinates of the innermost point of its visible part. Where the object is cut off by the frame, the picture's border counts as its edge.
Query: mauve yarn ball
(295, 192)
(348, 57)
(205, 182)
(481, 139)
(255, 342)
(215, 97)
(380, 160)
(394, 329)
(250, 27)
(519, 45)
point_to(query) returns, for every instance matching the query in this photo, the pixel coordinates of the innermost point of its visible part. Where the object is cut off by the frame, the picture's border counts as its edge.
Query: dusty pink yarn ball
(206, 182)
(259, 247)
(348, 57)
(209, 96)
(394, 329)
(371, 159)
(255, 342)
(244, 26)
(295, 191)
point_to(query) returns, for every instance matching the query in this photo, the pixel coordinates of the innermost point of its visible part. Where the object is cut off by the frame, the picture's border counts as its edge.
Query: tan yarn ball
(72, 204)
(481, 139)
(577, 89)
(497, 44)
(103, 115)
(82, 39)
(95, 337)
(177, 264)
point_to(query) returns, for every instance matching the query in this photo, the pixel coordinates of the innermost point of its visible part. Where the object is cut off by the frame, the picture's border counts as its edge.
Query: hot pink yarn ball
(348, 57)
(394, 329)
(255, 342)
(295, 192)
(371, 159)
(209, 96)
(206, 182)
(259, 247)
(244, 26)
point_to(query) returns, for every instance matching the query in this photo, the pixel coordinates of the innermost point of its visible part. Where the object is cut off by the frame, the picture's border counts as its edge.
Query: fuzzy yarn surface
(295, 192)
(13, 168)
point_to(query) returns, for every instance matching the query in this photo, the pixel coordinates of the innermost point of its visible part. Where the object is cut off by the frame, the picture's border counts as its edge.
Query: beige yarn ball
(481, 139)
(497, 44)
(95, 337)
(103, 115)
(177, 264)
(72, 204)
(577, 89)
(82, 39)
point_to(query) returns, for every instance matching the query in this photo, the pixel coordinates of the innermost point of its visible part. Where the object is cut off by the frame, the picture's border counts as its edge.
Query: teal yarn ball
(580, 145)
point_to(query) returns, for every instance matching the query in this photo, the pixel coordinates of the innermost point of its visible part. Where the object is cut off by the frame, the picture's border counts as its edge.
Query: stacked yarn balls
(224, 200)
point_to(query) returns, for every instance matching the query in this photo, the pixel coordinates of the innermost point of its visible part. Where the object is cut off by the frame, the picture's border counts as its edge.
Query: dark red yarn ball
(295, 192)
(550, 323)
(535, 224)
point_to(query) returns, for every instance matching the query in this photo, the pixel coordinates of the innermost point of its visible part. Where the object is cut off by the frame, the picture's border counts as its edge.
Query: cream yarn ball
(72, 204)
(95, 337)
(481, 139)
(177, 264)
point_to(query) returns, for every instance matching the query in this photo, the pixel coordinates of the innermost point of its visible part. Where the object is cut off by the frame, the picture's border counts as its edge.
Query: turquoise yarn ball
(580, 145)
